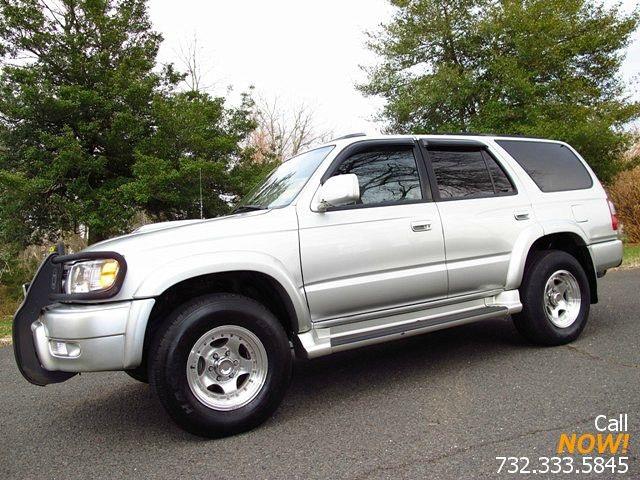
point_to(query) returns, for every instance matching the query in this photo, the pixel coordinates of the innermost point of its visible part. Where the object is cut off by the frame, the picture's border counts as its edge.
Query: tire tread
(159, 356)
(532, 322)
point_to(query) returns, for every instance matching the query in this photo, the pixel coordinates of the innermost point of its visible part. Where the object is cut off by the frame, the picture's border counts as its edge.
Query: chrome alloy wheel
(227, 367)
(562, 299)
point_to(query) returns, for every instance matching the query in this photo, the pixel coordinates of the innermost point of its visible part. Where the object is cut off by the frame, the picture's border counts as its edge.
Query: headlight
(92, 275)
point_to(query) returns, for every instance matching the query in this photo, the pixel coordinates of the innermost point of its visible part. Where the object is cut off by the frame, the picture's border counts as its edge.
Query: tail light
(614, 217)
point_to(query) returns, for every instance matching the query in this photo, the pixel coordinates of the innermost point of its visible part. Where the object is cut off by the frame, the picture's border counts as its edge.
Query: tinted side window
(552, 166)
(501, 182)
(461, 174)
(384, 175)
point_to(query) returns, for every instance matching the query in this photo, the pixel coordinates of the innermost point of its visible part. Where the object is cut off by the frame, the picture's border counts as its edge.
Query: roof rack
(505, 135)
(351, 135)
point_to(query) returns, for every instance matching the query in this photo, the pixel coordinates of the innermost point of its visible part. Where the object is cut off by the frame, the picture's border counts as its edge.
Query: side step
(323, 341)
(468, 316)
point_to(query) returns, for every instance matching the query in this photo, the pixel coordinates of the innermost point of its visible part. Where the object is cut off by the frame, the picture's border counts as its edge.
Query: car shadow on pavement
(131, 408)
(421, 358)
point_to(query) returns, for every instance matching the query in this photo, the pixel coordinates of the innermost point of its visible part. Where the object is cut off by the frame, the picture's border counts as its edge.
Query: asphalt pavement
(437, 406)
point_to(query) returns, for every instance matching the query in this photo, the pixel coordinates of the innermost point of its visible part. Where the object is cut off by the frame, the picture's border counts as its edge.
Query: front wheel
(555, 297)
(221, 365)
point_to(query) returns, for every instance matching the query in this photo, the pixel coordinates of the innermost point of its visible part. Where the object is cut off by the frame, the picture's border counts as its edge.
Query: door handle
(521, 215)
(421, 226)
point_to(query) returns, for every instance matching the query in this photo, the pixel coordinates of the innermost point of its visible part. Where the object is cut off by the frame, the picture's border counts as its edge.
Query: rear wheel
(556, 299)
(221, 365)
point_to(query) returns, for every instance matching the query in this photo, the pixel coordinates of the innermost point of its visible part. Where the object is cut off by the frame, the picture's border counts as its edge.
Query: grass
(631, 255)
(7, 308)
(5, 326)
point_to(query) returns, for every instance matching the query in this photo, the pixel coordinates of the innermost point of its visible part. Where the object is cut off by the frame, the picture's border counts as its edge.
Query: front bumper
(85, 338)
(53, 341)
(81, 338)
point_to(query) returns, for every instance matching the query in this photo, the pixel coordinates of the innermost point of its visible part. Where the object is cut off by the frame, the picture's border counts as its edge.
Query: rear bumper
(606, 255)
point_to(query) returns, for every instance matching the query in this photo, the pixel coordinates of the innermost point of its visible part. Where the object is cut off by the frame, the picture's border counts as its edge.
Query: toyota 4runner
(359, 241)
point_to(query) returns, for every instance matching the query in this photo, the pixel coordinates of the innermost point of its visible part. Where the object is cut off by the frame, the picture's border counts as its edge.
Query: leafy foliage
(544, 68)
(195, 136)
(74, 110)
(91, 131)
(625, 194)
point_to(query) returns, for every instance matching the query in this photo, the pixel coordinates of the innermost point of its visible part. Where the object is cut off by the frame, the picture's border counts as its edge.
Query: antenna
(201, 215)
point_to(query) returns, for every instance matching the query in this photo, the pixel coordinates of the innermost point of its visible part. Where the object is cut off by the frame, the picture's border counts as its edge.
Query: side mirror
(337, 191)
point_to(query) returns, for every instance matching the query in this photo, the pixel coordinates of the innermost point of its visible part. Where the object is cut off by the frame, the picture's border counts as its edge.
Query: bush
(625, 194)
(18, 266)
(8, 305)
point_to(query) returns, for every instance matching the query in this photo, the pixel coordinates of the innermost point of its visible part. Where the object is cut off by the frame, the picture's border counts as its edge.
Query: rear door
(386, 251)
(482, 213)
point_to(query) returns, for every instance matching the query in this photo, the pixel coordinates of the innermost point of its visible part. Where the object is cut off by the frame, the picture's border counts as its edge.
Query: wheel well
(573, 245)
(255, 285)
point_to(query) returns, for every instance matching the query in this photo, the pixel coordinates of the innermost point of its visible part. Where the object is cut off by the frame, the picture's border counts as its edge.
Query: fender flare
(184, 268)
(525, 241)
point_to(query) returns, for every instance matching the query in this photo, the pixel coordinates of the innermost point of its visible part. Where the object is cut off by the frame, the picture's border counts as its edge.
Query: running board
(470, 316)
(323, 341)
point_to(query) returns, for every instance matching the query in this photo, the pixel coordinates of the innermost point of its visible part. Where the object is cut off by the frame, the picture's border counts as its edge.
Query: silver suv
(360, 241)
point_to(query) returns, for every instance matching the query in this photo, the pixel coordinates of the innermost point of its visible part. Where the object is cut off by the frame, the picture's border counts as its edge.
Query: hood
(152, 227)
(165, 234)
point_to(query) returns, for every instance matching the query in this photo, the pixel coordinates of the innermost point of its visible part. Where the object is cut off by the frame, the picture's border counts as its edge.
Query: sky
(298, 51)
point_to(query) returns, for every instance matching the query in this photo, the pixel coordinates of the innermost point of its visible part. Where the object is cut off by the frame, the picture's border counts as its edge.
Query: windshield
(286, 181)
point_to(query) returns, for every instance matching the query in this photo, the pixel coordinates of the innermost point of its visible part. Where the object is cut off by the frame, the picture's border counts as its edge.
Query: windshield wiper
(248, 208)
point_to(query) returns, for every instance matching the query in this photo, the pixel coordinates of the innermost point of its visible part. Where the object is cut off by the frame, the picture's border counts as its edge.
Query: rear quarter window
(552, 166)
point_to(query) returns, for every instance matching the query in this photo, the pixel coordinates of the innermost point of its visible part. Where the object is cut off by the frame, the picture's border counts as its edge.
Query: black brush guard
(45, 284)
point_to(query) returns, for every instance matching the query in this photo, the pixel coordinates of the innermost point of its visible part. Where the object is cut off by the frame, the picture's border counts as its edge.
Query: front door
(385, 251)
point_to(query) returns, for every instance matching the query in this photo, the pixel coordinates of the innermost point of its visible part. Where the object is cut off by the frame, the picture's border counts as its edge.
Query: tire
(191, 351)
(140, 374)
(542, 320)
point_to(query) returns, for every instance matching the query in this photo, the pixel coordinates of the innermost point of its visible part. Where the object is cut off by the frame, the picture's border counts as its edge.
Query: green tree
(546, 68)
(197, 143)
(75, 100)
(93, 131)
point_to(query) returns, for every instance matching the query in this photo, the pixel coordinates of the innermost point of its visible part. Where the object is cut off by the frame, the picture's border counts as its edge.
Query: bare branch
(282, 132)
(190, 57)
